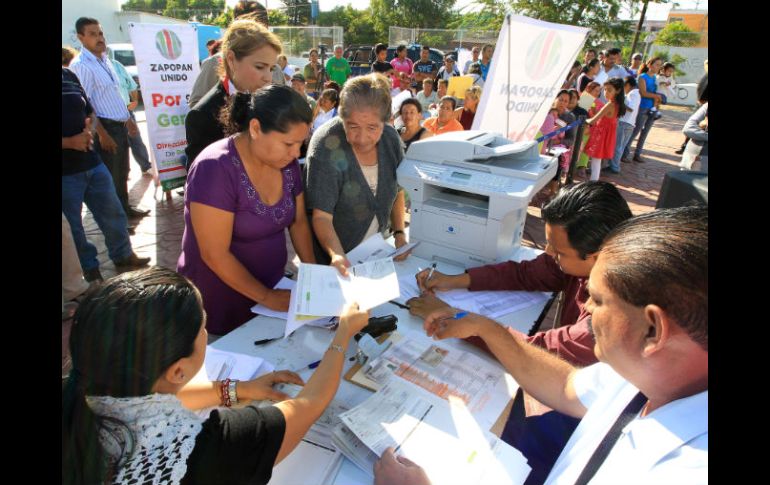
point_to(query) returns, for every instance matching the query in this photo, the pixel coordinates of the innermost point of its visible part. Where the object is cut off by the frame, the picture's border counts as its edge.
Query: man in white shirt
(610, 68)
(649, 314)
(626, 123)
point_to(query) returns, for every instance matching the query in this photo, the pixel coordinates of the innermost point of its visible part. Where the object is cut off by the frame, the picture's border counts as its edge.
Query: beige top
(370, 174)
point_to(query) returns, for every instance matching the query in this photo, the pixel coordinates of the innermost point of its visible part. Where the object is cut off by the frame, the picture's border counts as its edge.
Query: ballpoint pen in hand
(430, 273)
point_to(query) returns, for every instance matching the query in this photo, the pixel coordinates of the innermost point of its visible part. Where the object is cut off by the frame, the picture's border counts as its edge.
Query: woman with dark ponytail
(137, 341)
(242, 193)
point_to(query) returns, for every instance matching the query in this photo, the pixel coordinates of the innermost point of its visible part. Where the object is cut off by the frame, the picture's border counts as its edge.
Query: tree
(277, 17)
(425, 14)
(358, 24)
(677, 34)
(600, 17)
(297, 11)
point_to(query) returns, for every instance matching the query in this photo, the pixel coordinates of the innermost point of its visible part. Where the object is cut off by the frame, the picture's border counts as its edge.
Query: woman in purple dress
(242, 192)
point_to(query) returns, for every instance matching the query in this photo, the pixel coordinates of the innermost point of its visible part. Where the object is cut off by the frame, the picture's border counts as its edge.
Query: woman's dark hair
(573, 93)
(667, 65)
(620, 95)
(332, 95)
(588, 212)
(646, 66)
(275, 107)
(590, 65)
(332, 85)
(563, 91)
(125, 334)
(413, 102)
(661, 258)
(400, 48)
(631, 81)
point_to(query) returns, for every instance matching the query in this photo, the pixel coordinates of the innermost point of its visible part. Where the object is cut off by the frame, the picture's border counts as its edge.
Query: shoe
(638, 159)
(131, 229)
(680, 151)
(93, 274)
(658, 115)
(625, 160)
(134, 212)
(609, 170)
(131, 262)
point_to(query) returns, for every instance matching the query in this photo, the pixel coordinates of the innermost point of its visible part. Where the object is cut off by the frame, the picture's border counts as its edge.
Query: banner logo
(543, 55)
(168, 44)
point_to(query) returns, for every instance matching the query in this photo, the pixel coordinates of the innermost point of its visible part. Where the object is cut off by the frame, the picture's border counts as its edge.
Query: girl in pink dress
(601, 142)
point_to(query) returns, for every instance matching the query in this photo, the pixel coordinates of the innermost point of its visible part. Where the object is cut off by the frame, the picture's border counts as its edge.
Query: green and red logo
(168, 44)
(543, 55)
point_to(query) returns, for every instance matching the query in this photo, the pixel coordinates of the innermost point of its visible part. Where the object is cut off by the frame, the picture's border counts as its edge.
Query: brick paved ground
(159, 235)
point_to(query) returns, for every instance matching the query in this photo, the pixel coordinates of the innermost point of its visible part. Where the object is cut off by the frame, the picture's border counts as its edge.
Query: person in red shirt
(577, 221)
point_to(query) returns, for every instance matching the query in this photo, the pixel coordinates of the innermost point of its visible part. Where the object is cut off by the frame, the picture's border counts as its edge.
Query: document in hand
(447, 372)
(491, 304)
(321, 290)
(439, 435)
(375, 247)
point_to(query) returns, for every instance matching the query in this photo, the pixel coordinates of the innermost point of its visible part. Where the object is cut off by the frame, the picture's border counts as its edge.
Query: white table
(308, 344)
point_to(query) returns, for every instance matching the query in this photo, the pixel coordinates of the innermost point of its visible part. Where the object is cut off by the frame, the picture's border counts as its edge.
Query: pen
(313, 365)
(400, 305)
(457, 316)
(412, 430)
(263, 341)
(430, 273)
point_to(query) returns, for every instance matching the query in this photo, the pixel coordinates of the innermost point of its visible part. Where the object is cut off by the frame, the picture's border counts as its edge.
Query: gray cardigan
(699, 138)
(336, 183)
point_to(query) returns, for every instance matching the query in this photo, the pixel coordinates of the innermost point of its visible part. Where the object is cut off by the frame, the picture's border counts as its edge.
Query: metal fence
(299, 40)
(442, 39)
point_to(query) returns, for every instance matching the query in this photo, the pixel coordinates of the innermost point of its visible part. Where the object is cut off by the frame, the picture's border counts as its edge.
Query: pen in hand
(430, 275)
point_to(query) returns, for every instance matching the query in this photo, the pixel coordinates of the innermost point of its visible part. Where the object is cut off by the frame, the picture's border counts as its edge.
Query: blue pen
(458, 315)
(314, 364)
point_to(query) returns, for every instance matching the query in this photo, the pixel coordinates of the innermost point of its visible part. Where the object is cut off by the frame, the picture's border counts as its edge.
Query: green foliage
(426, 14)
(600, 17)
(297, 12)
(357, 24)
(277, 17)
(205, 11)
(677, 34)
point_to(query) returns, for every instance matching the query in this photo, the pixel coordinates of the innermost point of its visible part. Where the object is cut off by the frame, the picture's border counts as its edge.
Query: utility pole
(639, 27)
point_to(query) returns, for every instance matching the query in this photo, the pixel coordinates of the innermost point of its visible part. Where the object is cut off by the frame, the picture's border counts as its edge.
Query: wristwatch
(231, 392)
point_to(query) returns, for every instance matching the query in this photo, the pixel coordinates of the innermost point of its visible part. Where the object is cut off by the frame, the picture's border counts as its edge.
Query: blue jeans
(95, 188)
(621, 140)
(139, 149)
(644, 122)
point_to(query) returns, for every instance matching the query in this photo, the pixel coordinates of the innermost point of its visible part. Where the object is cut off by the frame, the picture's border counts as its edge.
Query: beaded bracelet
(224, 391)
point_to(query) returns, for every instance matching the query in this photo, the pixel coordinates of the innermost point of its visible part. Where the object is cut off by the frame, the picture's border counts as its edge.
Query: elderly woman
(136, 344)
(249, 52)
(410, 115)
(241, 194)
(351, 183)
(466, 114)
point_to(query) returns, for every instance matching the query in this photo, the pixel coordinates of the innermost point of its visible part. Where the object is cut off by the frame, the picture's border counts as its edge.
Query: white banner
(167, 61)
(530, 63)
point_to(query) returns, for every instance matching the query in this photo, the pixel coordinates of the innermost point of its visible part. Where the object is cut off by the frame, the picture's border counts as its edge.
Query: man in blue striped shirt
(102, 85)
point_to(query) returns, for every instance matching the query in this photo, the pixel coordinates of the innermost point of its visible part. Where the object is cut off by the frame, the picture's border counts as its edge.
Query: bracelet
(224, 393)
(231, 391)
(336, 347)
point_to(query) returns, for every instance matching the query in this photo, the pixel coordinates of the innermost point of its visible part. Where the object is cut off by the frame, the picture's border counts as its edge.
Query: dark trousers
(539, 438)
(117, 161)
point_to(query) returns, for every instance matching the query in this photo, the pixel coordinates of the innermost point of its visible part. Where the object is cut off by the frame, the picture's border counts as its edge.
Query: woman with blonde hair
(249, 52)
(466, 114)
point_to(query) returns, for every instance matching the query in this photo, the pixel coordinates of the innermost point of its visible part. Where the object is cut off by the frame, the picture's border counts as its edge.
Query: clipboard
(356, 373)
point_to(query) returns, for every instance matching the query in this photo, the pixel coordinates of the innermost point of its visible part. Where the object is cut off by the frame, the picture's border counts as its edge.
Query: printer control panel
(465, 178)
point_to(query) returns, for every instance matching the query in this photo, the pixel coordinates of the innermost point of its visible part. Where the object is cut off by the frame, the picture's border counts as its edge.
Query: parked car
(361, 57)
(124, 54)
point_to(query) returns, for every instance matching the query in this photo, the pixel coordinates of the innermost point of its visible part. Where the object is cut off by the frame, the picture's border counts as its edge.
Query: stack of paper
(322, 291)
(446, 372)
(315, 452)
(439, 435)
(375, 247)
(220, 365)
(491, 304)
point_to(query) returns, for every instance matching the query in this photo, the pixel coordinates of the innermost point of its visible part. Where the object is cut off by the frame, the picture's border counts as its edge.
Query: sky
(654, 11)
